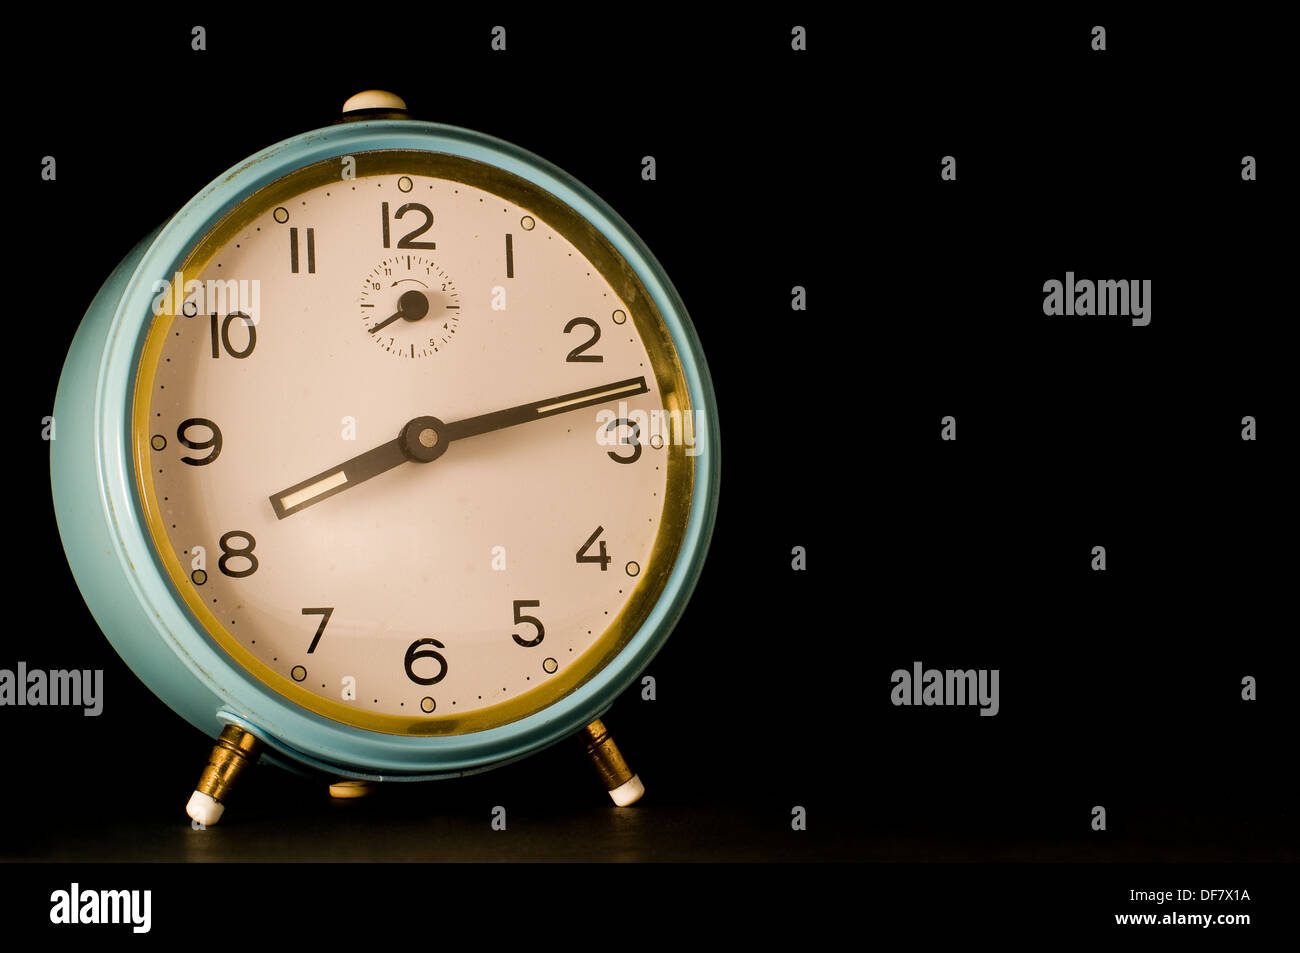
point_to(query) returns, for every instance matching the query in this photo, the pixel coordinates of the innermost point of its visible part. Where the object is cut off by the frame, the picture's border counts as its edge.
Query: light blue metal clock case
(107, 544)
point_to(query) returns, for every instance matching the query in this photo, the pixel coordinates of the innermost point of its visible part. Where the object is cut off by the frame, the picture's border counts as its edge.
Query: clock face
(413, 445)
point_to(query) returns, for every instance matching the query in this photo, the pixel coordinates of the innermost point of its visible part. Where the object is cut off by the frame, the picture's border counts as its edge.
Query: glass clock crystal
(392, 455)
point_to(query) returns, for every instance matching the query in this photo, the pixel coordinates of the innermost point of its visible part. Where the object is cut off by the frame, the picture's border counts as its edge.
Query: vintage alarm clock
(393, 455)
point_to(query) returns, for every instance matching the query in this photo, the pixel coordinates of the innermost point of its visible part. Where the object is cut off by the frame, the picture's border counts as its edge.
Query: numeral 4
(603, 559)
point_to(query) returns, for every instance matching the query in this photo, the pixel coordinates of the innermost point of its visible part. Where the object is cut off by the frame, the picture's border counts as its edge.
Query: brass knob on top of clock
(374, 100)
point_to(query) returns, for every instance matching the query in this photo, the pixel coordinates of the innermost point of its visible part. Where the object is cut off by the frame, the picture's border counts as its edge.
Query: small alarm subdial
(410, 307)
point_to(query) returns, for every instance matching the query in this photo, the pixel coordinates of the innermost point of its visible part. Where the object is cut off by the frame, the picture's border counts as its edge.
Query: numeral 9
(213, 443)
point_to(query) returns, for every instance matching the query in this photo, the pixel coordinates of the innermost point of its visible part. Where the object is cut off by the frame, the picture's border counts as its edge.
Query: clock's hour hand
(425, 439)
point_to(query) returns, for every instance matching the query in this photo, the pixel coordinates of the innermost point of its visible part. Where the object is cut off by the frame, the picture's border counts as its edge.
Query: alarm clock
(392, 456)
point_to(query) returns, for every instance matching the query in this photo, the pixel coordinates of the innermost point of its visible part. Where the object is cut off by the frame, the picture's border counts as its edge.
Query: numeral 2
(576, 356)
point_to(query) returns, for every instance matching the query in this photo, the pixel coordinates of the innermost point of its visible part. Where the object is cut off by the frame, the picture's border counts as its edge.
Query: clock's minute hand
(425, 439)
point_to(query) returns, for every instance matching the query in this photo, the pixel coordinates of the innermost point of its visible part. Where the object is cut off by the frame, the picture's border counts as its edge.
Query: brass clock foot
(623, 786)
(235, 750)
(349, 790)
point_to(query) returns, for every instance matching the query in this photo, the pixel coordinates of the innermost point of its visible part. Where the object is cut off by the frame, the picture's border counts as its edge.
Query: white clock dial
(430, 589)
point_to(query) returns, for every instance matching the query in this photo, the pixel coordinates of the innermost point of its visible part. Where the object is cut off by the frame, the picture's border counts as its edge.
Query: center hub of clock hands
(422, 439)
(412, 305)
(425, 439)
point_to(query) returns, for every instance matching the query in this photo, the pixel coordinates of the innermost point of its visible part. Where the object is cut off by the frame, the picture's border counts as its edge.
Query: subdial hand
(412, 305)
(425, 439)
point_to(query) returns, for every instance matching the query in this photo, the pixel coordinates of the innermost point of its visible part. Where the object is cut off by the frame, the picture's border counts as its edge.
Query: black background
(778, 168)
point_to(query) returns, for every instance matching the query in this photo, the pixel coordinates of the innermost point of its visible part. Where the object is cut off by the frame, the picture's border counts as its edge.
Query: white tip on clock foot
(629, 792)
(204, 809)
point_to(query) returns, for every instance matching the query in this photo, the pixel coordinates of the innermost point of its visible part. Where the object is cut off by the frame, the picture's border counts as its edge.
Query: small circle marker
(281, 215)
(632, 568)
(620, 316)
(198, 577)
(427, 704)
(657, 441)
(158, 442)
(528, 223)
(298, 673)
(404, 184)
(549, 666)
